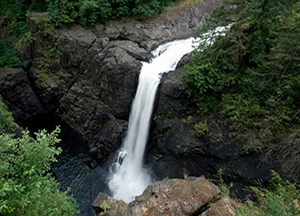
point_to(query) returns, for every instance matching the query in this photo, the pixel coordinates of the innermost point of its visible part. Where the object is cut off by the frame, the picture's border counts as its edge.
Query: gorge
(89, 77)
(129, 177)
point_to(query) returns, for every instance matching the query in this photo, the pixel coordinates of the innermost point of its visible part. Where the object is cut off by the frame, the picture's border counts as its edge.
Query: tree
(26, 185)
(250, 72)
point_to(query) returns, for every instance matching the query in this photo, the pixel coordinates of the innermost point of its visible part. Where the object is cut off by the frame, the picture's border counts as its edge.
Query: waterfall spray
(128, 175)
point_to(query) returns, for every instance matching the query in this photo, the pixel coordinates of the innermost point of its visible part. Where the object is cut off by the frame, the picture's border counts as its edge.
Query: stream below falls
(70, 169)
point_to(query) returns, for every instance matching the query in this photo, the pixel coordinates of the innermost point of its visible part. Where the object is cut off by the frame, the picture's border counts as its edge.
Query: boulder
(107, 139)
(73, 46)
(18, 95)
(172, 100)
(114, 74)
(91, 164)
(169, 197)
(222, 207)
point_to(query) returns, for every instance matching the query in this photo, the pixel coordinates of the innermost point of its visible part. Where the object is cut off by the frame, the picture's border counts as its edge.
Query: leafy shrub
(6, 119)
(8, 59)
(200, 128)
(88, 12)
(281, 199)
(120, 8)
(54, 15)
(250, 72)
(26, 186)
(68, 9)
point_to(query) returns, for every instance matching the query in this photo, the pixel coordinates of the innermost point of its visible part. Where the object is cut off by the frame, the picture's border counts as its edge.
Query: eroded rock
(168, 197)
(222, 207)
(107, 139)
(179, 144)
(17, 93)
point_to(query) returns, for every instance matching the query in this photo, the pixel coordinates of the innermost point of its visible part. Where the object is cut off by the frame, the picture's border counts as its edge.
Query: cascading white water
(128, 175)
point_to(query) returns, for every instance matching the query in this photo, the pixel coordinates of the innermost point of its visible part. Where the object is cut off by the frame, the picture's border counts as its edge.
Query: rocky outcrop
(222, 207)
(89, 76)
(176, 142)
(16, 92)
(175, 23)
(170, 197)
(108, 139)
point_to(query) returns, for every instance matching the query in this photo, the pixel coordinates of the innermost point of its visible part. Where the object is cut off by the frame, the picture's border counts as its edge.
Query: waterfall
(128, 177)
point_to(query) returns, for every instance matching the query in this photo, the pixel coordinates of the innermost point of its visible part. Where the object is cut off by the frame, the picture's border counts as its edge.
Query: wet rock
(18, 95)
(90, 76)
(108, 139)
(92, 164)
(114, 74)
(168, 197)
(172, 100)
(101, 203)
(50, 86)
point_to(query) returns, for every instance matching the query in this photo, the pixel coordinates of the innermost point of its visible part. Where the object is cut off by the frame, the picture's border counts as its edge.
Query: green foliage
(200, 128)
(54, 15)
(52, 52)
(68, 9)
(157, 119)
(246, 148)
(281, 199)
(91, 12)
(169, 114)
(179, 147)
(224, 188)
(105, 207)
(88, 12)
(6, 119)
(250, 72)
(120, 8)
(26, 186)
(8, 59)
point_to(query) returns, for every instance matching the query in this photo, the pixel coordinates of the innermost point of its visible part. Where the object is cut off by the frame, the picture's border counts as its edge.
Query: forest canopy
(14, 14)
(251, 74)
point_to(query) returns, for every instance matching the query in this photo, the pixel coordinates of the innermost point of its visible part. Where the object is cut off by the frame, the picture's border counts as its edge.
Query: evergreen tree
(251, 71)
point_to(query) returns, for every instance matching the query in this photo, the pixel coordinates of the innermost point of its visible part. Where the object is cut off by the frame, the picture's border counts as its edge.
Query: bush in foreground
(26, 186)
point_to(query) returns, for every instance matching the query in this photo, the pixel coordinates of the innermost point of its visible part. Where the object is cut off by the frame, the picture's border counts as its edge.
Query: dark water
(70, 169)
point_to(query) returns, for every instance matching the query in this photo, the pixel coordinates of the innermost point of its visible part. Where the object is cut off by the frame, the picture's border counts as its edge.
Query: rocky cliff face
(88, 77)
(16, 91)
(176, 142)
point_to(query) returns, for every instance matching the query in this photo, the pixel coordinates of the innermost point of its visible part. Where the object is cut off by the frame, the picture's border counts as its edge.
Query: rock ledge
(189, 196)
